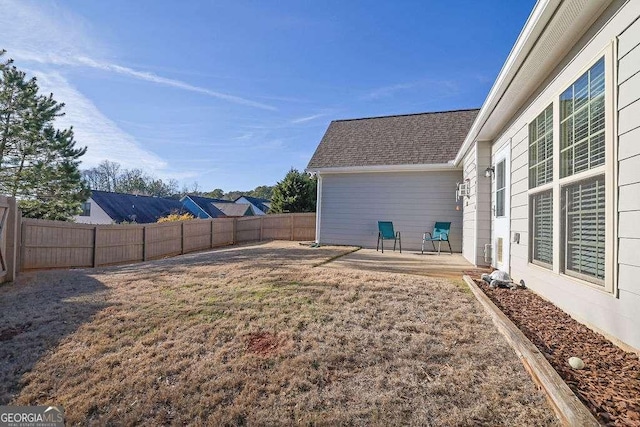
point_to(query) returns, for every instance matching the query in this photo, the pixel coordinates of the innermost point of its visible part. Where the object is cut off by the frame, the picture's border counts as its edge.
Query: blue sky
(232, 94)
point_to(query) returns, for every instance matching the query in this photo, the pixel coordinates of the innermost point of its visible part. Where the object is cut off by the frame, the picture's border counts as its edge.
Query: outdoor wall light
(488, 172)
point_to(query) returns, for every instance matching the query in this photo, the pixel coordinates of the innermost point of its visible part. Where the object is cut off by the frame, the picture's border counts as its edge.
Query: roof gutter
(536, 23)
(386, 168)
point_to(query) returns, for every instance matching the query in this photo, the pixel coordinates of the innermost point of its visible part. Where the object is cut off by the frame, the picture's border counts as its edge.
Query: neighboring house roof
(262, 204)
(207, 205)
(233, 209)
(426, 138)
(123, 207)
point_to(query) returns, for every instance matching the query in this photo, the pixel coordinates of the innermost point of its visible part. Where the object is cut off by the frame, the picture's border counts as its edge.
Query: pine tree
(295, 193)
(38, 163)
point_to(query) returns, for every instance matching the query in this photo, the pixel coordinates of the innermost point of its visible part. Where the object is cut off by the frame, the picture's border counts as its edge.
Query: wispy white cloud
(153, 78)
(386, 91)
(48, 40)
(30, 35)
(439, 87)
(103, 137)
(245, 136)
(84, 61)
(307, 118)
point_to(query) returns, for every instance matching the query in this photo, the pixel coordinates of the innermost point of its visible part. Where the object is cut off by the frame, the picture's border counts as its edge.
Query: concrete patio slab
(445, 265)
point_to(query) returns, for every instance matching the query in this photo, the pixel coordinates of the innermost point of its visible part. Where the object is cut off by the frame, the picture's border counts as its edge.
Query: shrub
(176, 217)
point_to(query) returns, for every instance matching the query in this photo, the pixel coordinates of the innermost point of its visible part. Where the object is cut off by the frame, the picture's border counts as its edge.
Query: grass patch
(260, 336)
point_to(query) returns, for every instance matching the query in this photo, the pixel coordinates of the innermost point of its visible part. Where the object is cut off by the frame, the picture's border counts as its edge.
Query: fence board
(276, 227)
(163, 240)
(304, 227)
(223, 231)
(248, 229)
(118, 244)
(197, 235)
(54, 244)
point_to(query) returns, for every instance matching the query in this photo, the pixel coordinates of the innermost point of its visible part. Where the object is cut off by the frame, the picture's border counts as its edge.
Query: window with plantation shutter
(569, 181)
(541, 148)
(542, 228)
(584, 229)
(582, 122)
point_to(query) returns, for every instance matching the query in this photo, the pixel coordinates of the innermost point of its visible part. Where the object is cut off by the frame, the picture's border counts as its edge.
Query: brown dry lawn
(257, 335)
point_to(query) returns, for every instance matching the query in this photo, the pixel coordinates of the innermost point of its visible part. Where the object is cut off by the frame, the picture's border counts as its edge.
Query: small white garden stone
(576, 363)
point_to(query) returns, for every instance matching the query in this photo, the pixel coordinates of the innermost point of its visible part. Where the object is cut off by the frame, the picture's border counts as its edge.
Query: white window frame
(609, 170)
(503, 162)
(539, 141)
(532, 260)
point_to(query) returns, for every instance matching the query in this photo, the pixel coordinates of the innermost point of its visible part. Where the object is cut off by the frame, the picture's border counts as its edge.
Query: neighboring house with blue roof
(260, 206)
(207, 207)
(203, 207)
(104, 207)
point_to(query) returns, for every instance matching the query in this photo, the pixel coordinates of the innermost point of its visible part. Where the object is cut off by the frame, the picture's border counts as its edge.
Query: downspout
(318, 208)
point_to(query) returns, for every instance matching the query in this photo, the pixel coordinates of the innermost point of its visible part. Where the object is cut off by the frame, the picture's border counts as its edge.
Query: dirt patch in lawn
(257, 336)
(609, 385)
(264, 343)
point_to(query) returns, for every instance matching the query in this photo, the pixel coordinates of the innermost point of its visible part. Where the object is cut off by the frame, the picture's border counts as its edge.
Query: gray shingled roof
(427, 138)
(232, 209)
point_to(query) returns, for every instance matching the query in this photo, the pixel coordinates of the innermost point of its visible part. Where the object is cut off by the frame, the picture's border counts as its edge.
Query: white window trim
(504, 200)
(533, 261)
(539, 141)
(609, 169)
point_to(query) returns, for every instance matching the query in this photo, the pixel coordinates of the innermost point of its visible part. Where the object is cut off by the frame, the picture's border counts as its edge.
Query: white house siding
(483, 207)
(629, 163)
(617, 316)
(469, 214)
(97, 215)
(477, 207)
(352, 204)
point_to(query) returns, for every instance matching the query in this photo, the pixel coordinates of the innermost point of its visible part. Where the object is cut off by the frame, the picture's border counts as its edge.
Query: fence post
(11, 240)
(261, 226)
(181, 237)
(292, 229)
(211, 237)
(234, 239)
(144, 243)
(95, 247)
(23, 243)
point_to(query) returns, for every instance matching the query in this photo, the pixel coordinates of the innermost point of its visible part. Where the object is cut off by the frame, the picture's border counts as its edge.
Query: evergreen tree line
(39, 164)
(295, 193)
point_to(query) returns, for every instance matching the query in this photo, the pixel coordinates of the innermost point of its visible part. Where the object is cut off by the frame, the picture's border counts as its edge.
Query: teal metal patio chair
(385, 232)
(440, 234)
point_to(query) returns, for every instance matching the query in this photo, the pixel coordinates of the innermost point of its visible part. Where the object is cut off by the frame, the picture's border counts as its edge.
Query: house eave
(493, 115)
(385, 168)
(537, 21)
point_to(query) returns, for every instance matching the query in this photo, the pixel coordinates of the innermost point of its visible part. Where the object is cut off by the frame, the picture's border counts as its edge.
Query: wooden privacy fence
(54, 244)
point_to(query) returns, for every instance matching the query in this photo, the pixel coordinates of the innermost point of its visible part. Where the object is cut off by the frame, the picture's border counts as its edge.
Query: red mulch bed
(609, 385)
